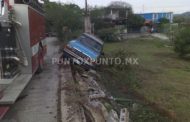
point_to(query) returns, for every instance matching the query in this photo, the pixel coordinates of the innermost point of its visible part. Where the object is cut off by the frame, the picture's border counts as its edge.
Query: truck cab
(22, 46)
(84, 50)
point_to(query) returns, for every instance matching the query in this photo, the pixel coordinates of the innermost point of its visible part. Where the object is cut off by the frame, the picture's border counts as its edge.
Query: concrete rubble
(81, 100)
(71, 111)
(113, 117)
(124, 115)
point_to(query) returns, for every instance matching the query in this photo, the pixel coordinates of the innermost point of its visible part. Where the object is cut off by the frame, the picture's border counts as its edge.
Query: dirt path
(38, 102)
(160, 36)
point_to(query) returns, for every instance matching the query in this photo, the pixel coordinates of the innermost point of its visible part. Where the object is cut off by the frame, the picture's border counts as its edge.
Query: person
(152, 30)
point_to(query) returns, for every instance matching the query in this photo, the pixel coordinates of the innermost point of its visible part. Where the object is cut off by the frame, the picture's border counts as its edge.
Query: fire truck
(22, 47)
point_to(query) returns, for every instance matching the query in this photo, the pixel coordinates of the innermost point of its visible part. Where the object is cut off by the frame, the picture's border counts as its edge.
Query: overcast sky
(140, 6)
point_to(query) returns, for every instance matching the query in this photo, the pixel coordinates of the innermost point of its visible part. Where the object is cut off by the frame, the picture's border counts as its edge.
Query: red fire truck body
(22, 48)
(37, 35)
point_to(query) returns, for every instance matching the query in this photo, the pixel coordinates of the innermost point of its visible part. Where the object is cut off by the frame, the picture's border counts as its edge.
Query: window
(155, 17)
(168, 16)
(90, 43)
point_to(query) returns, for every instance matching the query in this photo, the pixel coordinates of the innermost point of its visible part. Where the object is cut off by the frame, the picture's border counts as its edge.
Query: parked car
(84, 50)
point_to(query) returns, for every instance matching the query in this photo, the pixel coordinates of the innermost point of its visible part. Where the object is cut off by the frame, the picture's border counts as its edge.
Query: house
(155, 17)
(118, 11)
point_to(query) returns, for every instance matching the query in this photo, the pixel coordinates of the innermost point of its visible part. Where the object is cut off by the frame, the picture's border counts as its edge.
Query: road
(38, 102)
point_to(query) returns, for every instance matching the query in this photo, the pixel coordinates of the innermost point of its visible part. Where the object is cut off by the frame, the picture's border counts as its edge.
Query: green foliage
(158, 72)
(126, 16)
(108, 34)
(182, 18)
(64, 19)
(119, 70)
(120, 6)
(182, 42)
(121, 54)
(179, 19)
(164, 25)
(135, 21)
(101, 24)
(164, 21)
(164, 28)
(146, 114)
(96, 18)
(97, 12)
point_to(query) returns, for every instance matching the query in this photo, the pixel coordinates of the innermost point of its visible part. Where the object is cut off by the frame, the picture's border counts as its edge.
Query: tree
(97, 12)
(182, 18)
(97, 17)
(134, 22)
(179, 19)
(182, 42)
(126, 15)
(164, 20)
(101, 15)
(64, 19)
(122, 7)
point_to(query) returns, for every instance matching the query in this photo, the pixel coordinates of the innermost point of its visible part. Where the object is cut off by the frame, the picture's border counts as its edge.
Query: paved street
(38, 102)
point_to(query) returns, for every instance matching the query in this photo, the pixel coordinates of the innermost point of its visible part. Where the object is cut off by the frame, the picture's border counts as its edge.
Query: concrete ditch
(81, 98)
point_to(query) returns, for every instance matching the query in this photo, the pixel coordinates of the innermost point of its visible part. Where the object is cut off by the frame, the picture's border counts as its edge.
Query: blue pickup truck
(84, 50)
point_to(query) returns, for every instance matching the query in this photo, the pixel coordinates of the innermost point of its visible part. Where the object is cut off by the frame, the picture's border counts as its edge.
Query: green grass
(164, 78)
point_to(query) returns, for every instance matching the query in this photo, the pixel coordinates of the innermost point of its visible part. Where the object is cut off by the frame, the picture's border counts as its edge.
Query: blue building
(155, 17)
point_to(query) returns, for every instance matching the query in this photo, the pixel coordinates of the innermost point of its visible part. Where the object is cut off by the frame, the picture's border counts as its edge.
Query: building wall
(155, 17)
(114, 14)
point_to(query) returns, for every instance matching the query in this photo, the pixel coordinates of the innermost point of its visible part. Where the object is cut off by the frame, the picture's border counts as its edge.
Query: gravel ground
(38, 102)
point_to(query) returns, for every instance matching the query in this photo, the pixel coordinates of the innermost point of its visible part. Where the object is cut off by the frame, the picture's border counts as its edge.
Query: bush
(119, 77)
(101, 24)
(108, 34)
(182, 42)
(134, 23)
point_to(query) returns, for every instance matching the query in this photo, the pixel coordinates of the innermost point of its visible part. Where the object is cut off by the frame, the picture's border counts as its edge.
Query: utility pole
(86, 6)
(87, 22)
